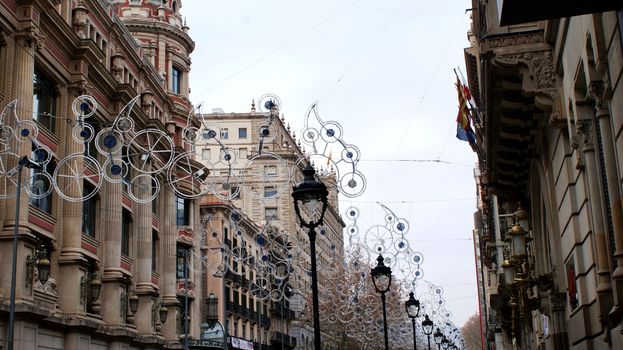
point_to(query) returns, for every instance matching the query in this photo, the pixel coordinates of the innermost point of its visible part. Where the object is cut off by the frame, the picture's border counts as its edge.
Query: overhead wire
(364, 50)
(419, 103)
(284, 44)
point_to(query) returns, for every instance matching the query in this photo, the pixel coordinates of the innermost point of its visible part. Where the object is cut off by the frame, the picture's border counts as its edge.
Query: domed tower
(158, 26)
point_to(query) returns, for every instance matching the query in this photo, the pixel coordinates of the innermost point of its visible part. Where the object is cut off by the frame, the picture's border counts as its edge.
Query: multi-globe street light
(438, 337)
(427, 327)
(310, 193)
(412, 306)
(382, 278)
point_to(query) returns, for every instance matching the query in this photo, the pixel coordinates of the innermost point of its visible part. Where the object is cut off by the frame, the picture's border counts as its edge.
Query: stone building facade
(261, 189)
(548, 117)
(50, 53)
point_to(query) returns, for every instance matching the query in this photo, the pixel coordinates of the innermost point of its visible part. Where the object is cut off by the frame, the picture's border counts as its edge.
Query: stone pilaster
(70, 257)
(143, 239)
(613, 189)
(112, 277)
(168, 278)
(583, 142)
(25, 50)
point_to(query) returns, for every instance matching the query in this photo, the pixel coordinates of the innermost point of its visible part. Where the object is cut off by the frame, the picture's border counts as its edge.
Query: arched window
(174, 6)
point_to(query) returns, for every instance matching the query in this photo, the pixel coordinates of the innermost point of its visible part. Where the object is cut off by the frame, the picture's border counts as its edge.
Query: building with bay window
(117, 265)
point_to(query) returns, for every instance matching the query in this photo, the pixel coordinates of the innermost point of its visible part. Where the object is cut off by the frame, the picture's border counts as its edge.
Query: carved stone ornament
(80, 14)
(582, 141)
(118, 65)
(516, 40)
(540, 63)
(30, 38)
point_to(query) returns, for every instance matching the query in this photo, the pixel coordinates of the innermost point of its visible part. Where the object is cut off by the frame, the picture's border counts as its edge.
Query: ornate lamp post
(445, 343)
(427, 327)
(310, 193)
(438, 337)
(382, 278)
(412, 306)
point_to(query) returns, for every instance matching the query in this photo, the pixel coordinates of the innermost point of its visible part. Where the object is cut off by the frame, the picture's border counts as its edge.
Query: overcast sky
(384, 71)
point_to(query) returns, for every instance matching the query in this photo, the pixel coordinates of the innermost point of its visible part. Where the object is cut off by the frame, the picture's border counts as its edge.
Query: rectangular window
(271, 214)
(270, 170)
(235, 192)
(89, 212)
(89, 147)
(44, 100)
(182, 206)
(155, 243)
(184, 326)
(243, 153)
(182, 262)
(224, 133)
(40, 184)
(205, 154)
(154, 202)
(270, 192)
(126, 221)
(176, 80)
(242, 133)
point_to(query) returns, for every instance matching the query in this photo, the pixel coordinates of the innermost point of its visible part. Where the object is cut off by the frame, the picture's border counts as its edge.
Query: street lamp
(382, 278)
(412, 306)
(445, 343)
(427, 327)
(24, 161)
(438, 337)
(310, 193)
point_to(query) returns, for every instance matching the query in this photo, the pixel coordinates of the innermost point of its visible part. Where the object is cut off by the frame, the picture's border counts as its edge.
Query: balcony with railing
(282, 340)
(282, 310)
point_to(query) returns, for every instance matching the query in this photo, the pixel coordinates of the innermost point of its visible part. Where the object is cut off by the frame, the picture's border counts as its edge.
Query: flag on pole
(464, 129)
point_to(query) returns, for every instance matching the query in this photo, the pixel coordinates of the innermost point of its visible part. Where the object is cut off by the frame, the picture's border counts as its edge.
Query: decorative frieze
(515, 40)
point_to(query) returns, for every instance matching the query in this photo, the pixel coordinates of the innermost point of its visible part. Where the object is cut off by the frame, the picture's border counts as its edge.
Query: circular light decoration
(70, 174)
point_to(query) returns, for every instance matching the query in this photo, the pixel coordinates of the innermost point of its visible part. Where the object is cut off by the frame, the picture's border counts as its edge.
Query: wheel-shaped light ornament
(70, 174)
(378, 239)
(39, 185)
(188, 178)
(115, 170)
(352, 184)
(6, 133)
(27, 131)
(151, 151)
(84, 106)
(108, 141)
(143, 188)
(8, 174)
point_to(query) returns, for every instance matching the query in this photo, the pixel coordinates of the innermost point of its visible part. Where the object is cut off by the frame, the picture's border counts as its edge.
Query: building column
(143, 238)
(588, 163)
(169, 281)
(70, 256)
(112, 275)
(612, 187)
(22, 90)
